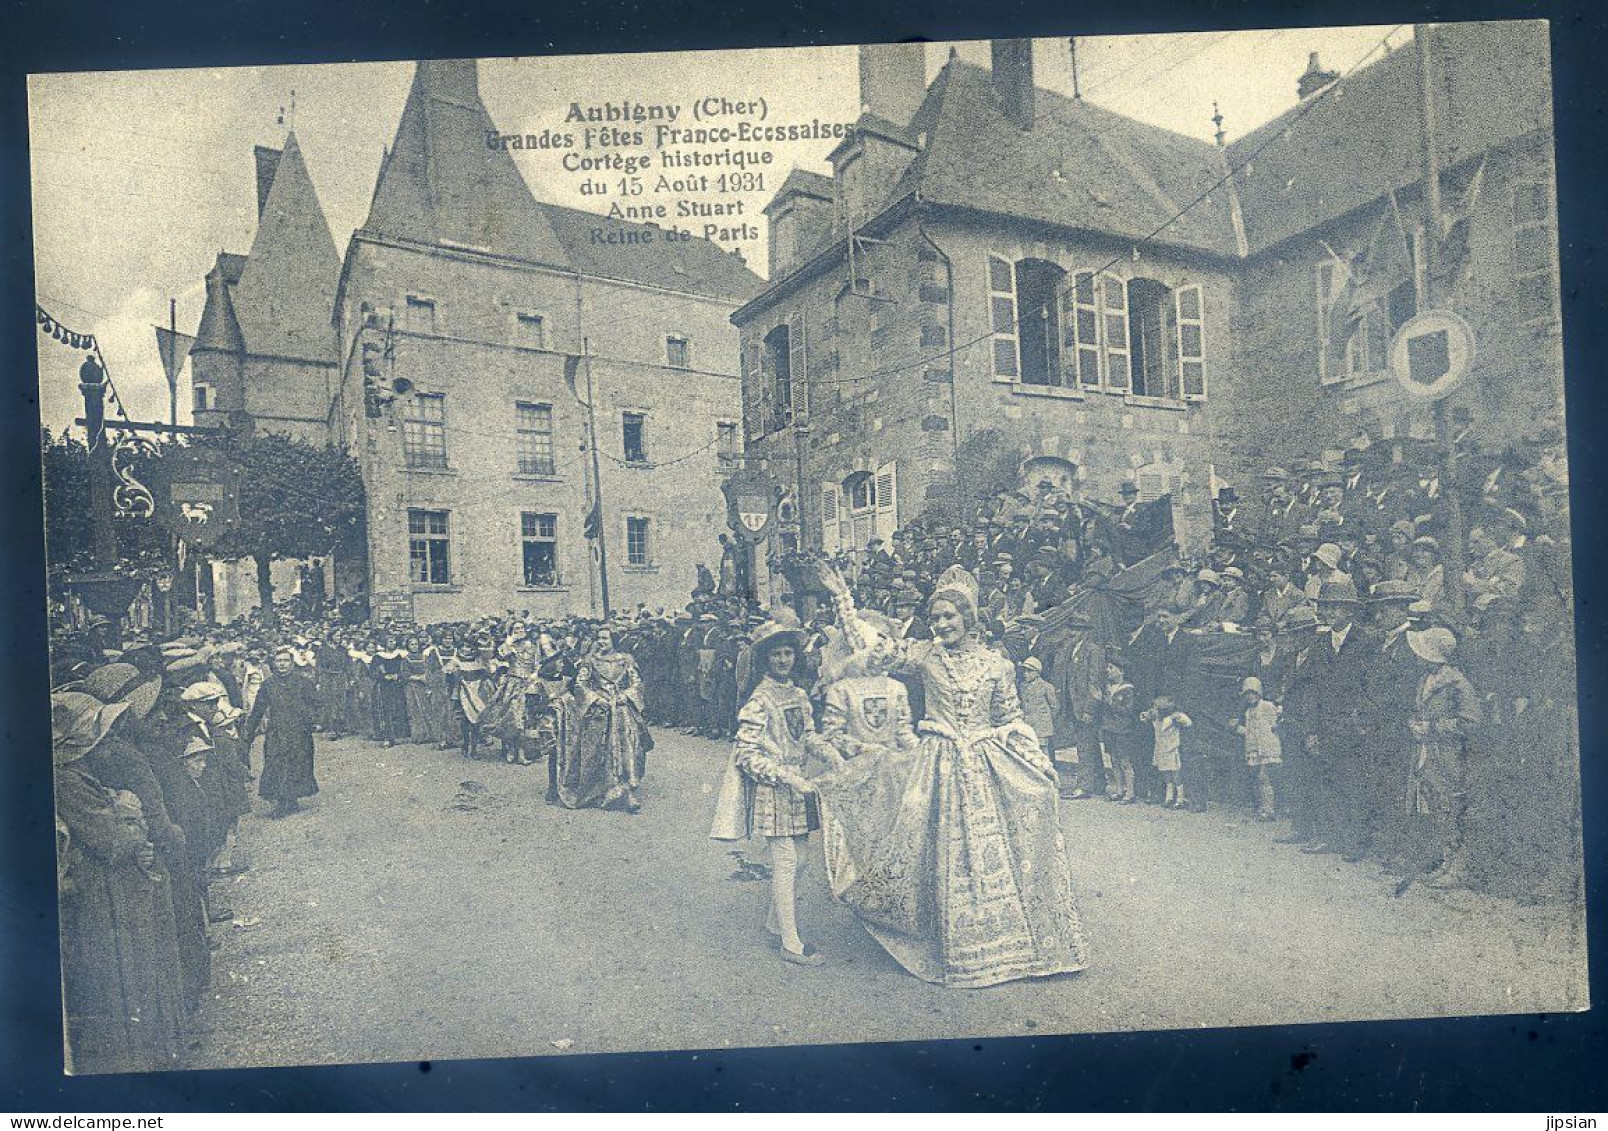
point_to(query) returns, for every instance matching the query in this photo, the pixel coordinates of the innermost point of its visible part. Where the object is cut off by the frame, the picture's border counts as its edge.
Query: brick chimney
(1013, 79)
(893, 80)
(1315, 78)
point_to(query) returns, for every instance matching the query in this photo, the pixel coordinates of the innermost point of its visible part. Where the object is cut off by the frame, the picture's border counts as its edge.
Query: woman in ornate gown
(951, 853)
(603, 767)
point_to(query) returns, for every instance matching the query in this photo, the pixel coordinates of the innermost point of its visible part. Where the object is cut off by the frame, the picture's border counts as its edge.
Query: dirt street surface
(427, 907)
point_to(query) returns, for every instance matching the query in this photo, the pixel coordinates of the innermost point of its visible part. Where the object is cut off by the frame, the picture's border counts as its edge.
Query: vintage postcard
(835, 544)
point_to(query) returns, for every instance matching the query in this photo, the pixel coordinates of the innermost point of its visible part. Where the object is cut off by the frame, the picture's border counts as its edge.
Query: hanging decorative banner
(62, 334)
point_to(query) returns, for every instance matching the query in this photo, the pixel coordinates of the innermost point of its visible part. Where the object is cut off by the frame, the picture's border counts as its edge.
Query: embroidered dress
(951, 853)
(602, 768)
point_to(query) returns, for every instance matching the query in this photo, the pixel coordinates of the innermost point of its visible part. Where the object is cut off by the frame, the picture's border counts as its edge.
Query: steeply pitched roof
(695, 266)
(1364, 137)
(441, 183)
(219, 329)
(285, 299)
(1078, 166)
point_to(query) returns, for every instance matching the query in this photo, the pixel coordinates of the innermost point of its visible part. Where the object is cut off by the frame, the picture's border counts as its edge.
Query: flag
(593, 527)
(173, 347)
(1454, 256)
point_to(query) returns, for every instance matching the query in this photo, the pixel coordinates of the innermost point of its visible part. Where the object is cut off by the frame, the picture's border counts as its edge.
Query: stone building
(455, 351)
(483, 336)
(993, 267)
(265, 352)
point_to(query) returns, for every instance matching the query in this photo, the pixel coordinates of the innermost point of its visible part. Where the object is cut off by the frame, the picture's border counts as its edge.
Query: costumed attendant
(1446, 711)
(470, 688)
(959, 868)
(765, 792)
(286, 712)
(603, 767)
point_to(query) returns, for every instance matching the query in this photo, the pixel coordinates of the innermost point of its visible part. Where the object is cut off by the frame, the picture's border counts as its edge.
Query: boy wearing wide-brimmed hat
(765, 792)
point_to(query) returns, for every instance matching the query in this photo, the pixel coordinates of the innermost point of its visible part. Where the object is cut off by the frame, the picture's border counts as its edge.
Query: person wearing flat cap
(765, 792)
(1445, 712)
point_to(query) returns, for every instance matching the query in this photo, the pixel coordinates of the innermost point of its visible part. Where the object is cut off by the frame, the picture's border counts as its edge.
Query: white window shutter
(1007, 365)
(1191, 324)
(1084, 328)
(887, 499)
(798, 369)
(767, 393)
(1114, 333)
(753, 392)
(830, 535)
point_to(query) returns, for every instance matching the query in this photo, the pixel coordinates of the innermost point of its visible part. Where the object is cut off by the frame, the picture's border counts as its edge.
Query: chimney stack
(893, 80)
(1315, 78)
(1013, 79)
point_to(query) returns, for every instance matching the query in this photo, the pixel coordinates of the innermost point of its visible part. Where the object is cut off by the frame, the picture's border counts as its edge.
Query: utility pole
(1425, 279)
(597, 479)
(173, 377)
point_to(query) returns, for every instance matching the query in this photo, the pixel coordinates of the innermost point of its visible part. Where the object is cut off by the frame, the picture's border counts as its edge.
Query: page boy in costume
(765, 792)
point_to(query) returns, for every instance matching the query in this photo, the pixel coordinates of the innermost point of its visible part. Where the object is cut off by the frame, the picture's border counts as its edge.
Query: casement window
(785, 376)
(429, 560)
(638, 547)
(728, 446)
(1096, 332)
(419, 314)
(678, 351)
(530, 331)
(424, 430)
(634, 436)
(864, 506)
(535, 439)
(538, 536)
(202, 395)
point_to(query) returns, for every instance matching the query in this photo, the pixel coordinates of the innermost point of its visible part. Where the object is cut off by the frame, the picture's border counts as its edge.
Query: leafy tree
(297, 500)
(142, 545)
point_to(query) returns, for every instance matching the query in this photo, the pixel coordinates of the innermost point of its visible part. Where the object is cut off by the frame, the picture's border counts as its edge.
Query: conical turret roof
(441, 184)
(286, 297)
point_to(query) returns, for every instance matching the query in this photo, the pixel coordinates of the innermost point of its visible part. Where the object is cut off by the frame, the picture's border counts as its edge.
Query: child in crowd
(1262, 745)
(1038, 705)
(1169, 724)
(1122, 734)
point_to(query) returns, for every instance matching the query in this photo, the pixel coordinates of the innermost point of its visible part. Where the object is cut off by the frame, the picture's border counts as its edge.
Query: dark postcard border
(1526, 1063)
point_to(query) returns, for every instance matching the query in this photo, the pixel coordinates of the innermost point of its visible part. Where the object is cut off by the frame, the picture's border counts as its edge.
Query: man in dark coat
(286, 711)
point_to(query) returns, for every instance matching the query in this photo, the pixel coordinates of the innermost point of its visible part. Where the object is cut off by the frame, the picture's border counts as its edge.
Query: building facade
(996, 268)
(475, 342)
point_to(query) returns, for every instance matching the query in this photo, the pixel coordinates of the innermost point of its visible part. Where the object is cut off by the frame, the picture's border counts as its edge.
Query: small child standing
(1039, 706)
(1262, 745)
(1169, 724)
(1122, 733)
